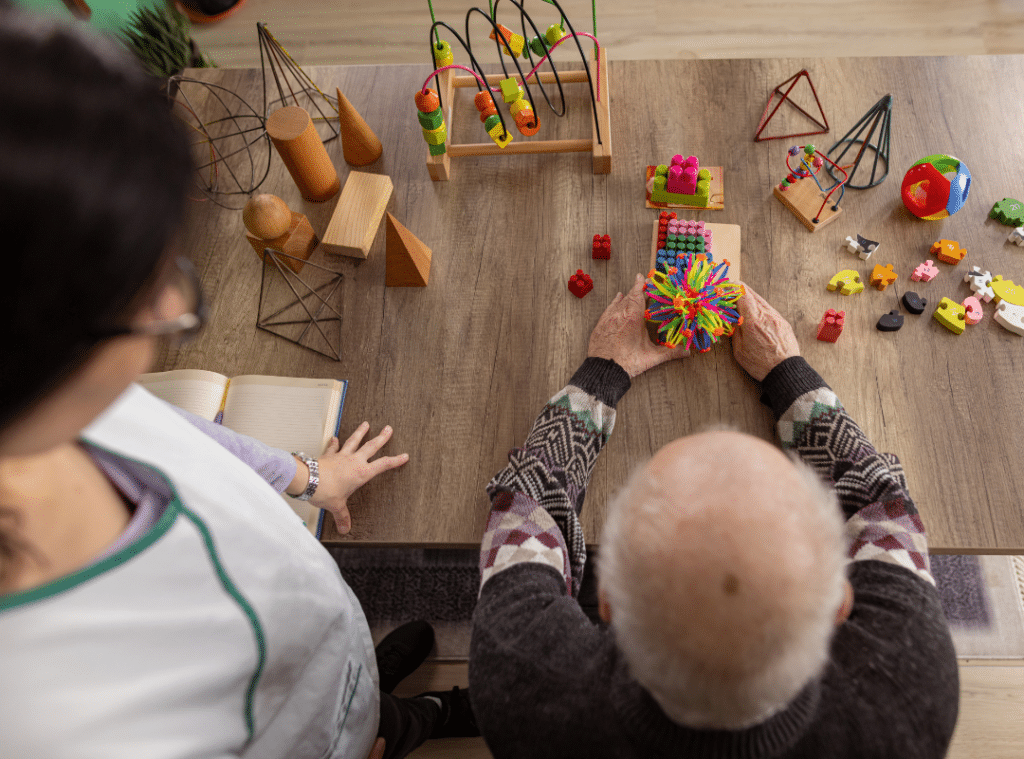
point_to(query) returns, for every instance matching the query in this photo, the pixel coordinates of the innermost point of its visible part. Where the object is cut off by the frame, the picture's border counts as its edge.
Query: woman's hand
(765, 339)
(344, 468)
(621, 335)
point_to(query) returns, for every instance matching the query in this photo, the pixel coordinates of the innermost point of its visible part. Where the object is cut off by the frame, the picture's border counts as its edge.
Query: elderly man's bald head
(722, 563)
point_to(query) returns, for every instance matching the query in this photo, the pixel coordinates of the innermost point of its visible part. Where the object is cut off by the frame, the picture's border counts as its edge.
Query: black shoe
(457, 719)
(402, 651)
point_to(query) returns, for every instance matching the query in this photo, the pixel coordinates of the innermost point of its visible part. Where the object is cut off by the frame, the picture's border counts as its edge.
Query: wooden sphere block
(300, 147)
(299, 240)
(266, 216)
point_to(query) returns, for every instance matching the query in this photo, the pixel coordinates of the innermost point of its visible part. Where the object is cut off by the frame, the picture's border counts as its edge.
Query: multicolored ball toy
(694, 303)
(936, 187)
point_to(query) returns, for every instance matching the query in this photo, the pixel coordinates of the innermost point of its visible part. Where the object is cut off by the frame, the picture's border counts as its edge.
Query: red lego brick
(602, 247)
(580, 284)
(831, 326)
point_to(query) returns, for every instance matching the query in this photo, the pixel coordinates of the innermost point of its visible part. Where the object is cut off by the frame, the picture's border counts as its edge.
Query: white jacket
(227, 631)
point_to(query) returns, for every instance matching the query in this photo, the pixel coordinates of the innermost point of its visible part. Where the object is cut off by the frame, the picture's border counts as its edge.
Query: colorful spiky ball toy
(693, 304)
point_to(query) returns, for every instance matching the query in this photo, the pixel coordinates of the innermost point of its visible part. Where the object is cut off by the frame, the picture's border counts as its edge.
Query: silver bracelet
(314, 475)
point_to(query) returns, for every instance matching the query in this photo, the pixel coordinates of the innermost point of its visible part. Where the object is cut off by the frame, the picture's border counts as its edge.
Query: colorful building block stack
(677, 237)
(684, 183)
(432, 120)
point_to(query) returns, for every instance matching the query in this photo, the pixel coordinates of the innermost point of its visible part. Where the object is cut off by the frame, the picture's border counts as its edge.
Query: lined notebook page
(194, 390)
(286, 413)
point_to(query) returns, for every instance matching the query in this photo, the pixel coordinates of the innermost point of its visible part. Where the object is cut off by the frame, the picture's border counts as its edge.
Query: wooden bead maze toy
(801, 190)
(435, 106)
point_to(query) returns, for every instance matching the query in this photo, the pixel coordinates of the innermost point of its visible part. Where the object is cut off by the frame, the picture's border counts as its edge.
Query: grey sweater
(547, 682)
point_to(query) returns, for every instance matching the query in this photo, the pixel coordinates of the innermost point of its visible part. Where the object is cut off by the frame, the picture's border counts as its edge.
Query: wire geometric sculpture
(879, 114)
(784, 98)
(290, 316)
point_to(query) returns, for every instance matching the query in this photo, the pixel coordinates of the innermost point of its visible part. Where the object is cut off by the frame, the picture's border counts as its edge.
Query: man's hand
(765, 339)
(621, 335)
(345, 468)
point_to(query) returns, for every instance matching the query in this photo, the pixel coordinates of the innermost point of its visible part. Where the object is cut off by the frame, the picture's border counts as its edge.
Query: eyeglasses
(185, 279)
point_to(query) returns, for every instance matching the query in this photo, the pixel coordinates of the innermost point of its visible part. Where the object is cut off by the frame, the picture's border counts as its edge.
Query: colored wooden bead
(491, 122)
(972, 310)
(882, 277)
(580, 284)
(913, 302)
(1010, 316)
(484, 115)
(515, 41)
(427, 102)
(436, 136)
(431, 120)
(951, 315)
(538, 45)
(948, 251)
(443, 54)
(510, 90)
(520, 105)
(1004, 289)
(890, 322)
(831, 325)
(925, 272)
(437, 149)
(483, 100)
(554, 33)
(601, 247)
(847, 282)
(527, 123)
(500, 136)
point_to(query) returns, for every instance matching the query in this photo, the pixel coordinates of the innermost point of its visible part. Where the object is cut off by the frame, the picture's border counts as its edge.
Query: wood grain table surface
(461, 368)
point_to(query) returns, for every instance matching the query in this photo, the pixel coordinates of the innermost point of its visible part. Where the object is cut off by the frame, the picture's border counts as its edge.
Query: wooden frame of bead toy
(435, 107)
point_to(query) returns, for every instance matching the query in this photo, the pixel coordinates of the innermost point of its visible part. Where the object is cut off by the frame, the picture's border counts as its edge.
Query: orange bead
(428, 101)
(491, 111)
(527, 123)
(483, 100)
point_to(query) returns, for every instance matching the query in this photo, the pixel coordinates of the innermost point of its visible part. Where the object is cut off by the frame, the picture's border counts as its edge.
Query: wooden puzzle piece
(862, 246)
(890, 322)
(1010, 317)
(847, 281)
(981, 283)
(951, 315)
(948, 251)
(1017, 236)
(882, 277)
(925, 272)
(914, 303)
(1009, 212)
(973, 309)
(1004, 289)
(831, 325)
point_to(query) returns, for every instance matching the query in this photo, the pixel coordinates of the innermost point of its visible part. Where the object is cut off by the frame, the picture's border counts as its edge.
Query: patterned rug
(983, 596)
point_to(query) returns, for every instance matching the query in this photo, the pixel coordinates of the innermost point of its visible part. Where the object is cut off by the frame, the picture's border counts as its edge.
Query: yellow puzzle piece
(847, 281)
(1004, 289)
(951, 315)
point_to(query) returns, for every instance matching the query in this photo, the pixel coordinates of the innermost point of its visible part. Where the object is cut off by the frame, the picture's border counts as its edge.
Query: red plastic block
(831, 326)
(580, 284)
(602, 247)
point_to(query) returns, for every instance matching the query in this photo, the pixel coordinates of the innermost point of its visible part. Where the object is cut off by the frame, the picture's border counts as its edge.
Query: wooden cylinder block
(266, 216)
(300, 147)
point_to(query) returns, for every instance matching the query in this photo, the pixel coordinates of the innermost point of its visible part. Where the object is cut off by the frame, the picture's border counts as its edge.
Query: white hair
(766, 668)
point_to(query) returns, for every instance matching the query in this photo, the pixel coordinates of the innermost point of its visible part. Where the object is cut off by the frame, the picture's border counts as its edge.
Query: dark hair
(94, 176)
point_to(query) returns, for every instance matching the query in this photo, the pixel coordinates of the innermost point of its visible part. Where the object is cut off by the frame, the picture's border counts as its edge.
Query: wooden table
(461, 368)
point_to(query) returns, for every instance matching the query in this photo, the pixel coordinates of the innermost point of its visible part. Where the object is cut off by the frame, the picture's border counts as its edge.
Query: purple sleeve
(275, 466)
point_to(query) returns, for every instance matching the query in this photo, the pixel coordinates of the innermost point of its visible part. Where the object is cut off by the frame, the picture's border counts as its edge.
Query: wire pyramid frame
(320, 322)
(303, 93)
(785, 98)
(879, 115)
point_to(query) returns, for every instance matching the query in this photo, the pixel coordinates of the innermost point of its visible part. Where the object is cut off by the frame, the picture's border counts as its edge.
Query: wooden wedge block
(357, 216)
(408, 259)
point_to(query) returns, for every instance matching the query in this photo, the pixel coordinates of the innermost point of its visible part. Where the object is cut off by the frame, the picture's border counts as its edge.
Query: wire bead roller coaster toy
(693, 304)
(515, 90)
(797, 194)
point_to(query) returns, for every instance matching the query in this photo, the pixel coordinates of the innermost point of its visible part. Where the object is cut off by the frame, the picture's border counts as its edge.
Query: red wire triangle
(784, 98)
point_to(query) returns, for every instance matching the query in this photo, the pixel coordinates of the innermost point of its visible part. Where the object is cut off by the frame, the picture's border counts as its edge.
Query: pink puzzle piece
(926, 272)
(974, 312)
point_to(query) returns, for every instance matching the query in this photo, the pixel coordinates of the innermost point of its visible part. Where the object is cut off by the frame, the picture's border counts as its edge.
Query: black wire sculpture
(879, 115)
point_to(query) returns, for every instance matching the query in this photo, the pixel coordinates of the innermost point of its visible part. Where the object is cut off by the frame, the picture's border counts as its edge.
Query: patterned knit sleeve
(536, 500)
(882, 520)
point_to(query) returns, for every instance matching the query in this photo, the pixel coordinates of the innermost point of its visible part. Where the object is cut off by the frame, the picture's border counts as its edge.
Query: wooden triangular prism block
(408, 259)
(358, 142)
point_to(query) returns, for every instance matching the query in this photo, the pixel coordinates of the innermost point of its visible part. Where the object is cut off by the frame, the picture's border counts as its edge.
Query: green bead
(492, 121)
(661, 171)
(443, 54)
(437, 149)
(431, 120)
(538, 45)
(809, 150)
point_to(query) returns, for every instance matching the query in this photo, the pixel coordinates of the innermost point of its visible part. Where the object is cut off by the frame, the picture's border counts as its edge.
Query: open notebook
(283, 412)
